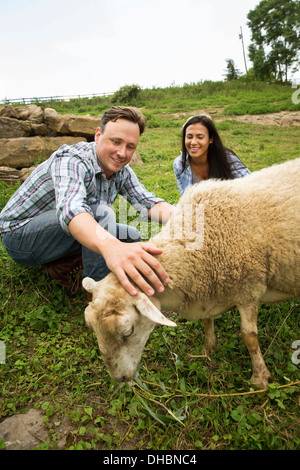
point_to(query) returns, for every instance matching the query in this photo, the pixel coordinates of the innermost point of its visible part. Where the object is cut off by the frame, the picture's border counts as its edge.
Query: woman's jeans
(42, 240)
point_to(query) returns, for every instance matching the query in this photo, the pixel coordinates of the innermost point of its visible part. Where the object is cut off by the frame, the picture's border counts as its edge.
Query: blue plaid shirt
(184, 178)
(70, 181)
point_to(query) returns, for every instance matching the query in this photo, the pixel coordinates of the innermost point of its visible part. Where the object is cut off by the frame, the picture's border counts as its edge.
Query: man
(61, 213)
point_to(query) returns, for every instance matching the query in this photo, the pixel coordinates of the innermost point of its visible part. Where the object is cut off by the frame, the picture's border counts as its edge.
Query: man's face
(116, 145)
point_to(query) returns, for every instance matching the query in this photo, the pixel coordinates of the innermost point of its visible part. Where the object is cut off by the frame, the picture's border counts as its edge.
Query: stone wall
(29, 134)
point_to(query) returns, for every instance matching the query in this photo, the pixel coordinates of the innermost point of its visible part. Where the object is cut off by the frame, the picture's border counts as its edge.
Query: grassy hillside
(229, 98)
(180, 400)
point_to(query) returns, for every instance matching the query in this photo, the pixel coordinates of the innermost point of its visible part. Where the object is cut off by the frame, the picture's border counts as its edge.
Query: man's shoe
(89, 296)
(65, 270)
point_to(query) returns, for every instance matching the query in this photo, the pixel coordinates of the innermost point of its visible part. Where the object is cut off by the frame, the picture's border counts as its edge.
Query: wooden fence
(51, 98)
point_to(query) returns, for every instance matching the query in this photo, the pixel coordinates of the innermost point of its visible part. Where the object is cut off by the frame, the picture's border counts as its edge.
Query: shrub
(127, 94)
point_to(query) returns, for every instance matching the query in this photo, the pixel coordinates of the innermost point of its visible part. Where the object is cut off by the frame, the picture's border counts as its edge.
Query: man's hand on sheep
(126, 260)
(134, 261)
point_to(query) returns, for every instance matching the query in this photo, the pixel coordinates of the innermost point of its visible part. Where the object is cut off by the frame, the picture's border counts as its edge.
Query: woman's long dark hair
(219, 167)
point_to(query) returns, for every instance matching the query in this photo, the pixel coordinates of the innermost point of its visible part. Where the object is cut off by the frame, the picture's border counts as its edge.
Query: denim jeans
(42, 240)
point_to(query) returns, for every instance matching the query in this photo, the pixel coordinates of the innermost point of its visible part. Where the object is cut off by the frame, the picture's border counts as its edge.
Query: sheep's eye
(127, 333)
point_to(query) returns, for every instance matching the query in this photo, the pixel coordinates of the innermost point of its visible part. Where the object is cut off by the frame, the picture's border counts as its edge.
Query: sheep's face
(122, 324)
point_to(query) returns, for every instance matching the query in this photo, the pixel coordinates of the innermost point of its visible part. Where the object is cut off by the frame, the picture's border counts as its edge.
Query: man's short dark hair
(124, 112)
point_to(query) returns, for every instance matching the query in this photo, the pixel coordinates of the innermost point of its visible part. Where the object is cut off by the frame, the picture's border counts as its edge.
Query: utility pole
(242, 38)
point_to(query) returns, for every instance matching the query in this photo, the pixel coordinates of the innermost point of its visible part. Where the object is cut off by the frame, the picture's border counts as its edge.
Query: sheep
(248, 253)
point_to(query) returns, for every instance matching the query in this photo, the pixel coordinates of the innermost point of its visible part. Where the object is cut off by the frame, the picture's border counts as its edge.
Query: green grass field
(180, 399)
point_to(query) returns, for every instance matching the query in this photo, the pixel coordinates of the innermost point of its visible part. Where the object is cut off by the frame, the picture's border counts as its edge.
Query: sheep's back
(251, 234)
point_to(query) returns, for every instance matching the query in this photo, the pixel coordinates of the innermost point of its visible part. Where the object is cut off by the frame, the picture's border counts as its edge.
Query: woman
(204, 156)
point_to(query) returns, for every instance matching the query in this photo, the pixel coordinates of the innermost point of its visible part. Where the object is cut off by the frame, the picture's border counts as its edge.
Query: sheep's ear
(89, 284)
(148, 309)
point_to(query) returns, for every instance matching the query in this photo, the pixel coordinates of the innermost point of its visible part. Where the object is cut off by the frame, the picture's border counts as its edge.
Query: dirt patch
(29, 431)
(283, 118)
(24, 431)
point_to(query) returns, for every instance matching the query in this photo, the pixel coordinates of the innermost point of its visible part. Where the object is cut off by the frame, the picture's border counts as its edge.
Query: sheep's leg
(249, 331)
(210, 343)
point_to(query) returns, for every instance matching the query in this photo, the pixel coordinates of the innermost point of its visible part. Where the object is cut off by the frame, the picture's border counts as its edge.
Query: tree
(275, 27)
(232, 72)
(261, 66)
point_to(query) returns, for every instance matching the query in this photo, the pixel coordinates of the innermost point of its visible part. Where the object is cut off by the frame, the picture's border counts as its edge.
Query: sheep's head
(122, 324)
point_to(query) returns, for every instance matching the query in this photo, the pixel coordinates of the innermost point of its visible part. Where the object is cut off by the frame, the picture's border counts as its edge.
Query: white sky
(68, 47)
